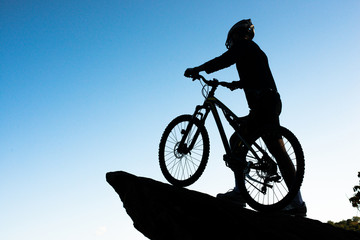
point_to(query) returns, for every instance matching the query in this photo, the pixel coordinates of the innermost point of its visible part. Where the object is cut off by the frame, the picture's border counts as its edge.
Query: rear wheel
(270, 181)
(183, 167)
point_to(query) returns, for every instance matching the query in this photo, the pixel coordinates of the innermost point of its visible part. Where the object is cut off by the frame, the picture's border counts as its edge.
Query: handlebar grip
(196, 77)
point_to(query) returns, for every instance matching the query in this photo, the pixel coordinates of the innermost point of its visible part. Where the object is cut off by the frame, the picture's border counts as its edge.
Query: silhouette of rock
(161, 211)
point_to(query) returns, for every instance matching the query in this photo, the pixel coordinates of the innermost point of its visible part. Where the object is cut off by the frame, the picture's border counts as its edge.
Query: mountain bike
(269, 165)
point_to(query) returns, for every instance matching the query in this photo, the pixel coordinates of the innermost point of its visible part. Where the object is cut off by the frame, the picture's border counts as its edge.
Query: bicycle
(184, 151)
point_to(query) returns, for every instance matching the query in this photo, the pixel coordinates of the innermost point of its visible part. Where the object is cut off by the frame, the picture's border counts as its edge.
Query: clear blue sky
(87, 87)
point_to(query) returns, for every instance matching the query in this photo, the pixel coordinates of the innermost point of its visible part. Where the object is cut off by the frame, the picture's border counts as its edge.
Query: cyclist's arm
(231, 85)
(223, 61)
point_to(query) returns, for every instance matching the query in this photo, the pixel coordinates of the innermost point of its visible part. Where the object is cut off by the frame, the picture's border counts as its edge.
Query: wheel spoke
(262, 173)
(184, 167)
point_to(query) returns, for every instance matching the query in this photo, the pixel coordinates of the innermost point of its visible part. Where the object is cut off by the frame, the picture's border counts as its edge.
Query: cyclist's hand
(230, 86)
(191, 72)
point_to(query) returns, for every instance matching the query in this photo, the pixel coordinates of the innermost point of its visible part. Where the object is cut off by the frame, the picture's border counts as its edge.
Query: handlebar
(214, 83)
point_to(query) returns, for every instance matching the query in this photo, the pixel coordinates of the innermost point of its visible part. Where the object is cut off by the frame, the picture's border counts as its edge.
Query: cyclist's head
(243, 29)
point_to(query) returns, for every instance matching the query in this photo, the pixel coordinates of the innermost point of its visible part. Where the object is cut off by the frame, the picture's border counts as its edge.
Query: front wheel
(274, 169)
(183, 166)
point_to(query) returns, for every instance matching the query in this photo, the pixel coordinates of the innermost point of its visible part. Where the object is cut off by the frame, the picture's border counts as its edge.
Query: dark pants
(266, 111)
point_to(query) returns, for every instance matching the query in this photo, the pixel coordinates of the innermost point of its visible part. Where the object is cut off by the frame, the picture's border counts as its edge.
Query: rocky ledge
(161, 211)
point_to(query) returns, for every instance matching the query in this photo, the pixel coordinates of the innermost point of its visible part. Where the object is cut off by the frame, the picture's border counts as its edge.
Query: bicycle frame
(210, 105)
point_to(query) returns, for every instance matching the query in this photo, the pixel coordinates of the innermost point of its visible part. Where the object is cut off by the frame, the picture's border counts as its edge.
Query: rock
(161, 211)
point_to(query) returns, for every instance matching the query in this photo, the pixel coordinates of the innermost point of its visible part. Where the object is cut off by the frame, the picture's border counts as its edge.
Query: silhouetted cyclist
(261, 93)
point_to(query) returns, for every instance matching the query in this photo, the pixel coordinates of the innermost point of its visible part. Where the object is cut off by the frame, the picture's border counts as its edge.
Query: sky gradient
(88, 87)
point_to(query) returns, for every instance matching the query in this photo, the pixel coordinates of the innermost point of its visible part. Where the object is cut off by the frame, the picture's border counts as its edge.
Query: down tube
(221, 129)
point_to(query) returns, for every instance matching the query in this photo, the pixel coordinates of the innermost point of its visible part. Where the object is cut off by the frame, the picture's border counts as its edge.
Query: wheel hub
(177, 152)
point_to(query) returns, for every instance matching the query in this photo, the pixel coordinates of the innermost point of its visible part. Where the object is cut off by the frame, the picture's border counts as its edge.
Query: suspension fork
(197, 116)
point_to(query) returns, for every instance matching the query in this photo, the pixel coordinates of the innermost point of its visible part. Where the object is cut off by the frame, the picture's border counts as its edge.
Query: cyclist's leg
(235, 141)
(287, 168)
(276, 147)
(235, 146)
(268, 114)
(233, 195)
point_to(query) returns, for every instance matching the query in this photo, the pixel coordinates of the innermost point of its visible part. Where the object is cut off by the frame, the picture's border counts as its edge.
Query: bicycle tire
(183, 169)
(280, 195)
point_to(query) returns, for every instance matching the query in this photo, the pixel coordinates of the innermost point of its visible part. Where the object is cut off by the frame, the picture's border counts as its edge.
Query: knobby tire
(183, 169)
(280, 195)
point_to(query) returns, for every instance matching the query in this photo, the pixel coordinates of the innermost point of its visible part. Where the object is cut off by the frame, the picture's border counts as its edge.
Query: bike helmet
(245, 30)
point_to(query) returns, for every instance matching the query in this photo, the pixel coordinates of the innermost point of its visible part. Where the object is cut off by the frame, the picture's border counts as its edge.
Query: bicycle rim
(178, 168)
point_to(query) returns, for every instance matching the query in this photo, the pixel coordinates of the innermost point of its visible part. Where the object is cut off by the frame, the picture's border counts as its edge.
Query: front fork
(184, 148)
